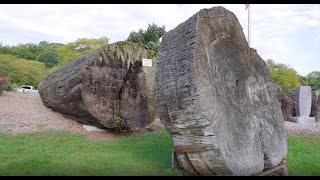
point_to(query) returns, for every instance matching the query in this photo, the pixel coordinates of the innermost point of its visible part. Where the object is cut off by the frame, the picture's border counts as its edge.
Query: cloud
(287, 33)
(316, 39)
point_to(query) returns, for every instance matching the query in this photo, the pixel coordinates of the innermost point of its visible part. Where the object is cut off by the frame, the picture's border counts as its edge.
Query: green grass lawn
(303, 157)
(63, 153)
(52, 153)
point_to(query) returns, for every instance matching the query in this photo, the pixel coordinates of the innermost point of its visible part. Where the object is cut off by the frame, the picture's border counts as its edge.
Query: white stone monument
(303, 97)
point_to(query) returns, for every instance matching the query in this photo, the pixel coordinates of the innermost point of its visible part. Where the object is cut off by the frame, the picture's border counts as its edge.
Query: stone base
(303, 120)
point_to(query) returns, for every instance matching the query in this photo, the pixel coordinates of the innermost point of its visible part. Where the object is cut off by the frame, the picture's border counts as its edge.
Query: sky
(286, 33)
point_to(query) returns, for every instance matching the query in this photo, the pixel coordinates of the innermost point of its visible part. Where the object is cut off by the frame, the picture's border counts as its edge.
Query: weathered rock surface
(216, 98)
(107, 88)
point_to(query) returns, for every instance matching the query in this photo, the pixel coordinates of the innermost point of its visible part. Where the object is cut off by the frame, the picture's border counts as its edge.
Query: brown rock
(107, 88)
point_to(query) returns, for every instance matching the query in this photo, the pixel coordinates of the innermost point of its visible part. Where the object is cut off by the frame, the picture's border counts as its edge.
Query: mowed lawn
(64, 153)
(303, 157)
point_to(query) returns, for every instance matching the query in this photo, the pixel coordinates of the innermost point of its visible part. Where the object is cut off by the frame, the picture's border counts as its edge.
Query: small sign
(147, 62)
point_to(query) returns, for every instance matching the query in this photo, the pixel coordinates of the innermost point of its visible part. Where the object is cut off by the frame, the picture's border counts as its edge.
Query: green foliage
(313, 80)
(154, 46)
(303, 81)
(49, 57)
(21, 71)
(78, 48)
(136, 37)
(150, 37)
(85, 44)
(19, 63)
(286, 78)
(153, 33)
(66, 154)
(28, 51)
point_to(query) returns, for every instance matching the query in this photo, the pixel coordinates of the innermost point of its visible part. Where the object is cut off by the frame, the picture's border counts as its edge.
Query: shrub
(287, 107)
(5, 84)
(315, 109)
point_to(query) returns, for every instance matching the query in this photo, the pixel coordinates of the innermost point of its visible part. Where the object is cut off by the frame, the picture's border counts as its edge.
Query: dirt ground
(25, 113)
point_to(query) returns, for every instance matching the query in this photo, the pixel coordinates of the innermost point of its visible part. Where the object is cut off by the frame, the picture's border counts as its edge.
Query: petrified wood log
(108, 88)
(216, 98)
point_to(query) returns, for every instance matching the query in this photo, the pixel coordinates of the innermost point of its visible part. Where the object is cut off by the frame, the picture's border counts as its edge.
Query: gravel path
(303, 129)
(25, 113)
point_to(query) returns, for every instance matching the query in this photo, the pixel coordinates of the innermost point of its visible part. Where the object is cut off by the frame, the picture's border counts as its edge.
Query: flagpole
(249, 27)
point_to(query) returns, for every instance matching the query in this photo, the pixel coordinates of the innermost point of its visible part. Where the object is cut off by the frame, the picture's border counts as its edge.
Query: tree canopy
(285, 77)
(313, 80)
(29, 63)
(36, 52)
(22, 71)
(49, 57)
(149, 37)
(80, 47)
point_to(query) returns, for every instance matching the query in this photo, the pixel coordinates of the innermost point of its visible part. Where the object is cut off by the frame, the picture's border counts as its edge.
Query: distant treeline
(30, 63)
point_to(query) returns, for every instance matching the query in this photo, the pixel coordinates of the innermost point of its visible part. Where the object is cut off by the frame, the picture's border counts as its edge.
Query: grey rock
(107, 88)
(217, 99)
(303, 97)
(304, 119)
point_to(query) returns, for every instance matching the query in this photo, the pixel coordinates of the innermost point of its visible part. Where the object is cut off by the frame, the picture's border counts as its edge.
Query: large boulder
(217, 99)
(108, 88)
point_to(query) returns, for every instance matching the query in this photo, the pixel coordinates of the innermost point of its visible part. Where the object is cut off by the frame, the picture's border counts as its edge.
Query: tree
(285, 77)
(313, 80)
(303, 81)
(136, 37)
(21, 71)
(154, 33)
(84, 44)
(150, 37)
(78, 48)
(29, 51)
(49, 57)
(43, 43)
(53, 54)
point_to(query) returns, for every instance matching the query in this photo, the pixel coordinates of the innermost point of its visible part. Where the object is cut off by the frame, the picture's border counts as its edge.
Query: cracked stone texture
(216, 98)
(107, 88)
